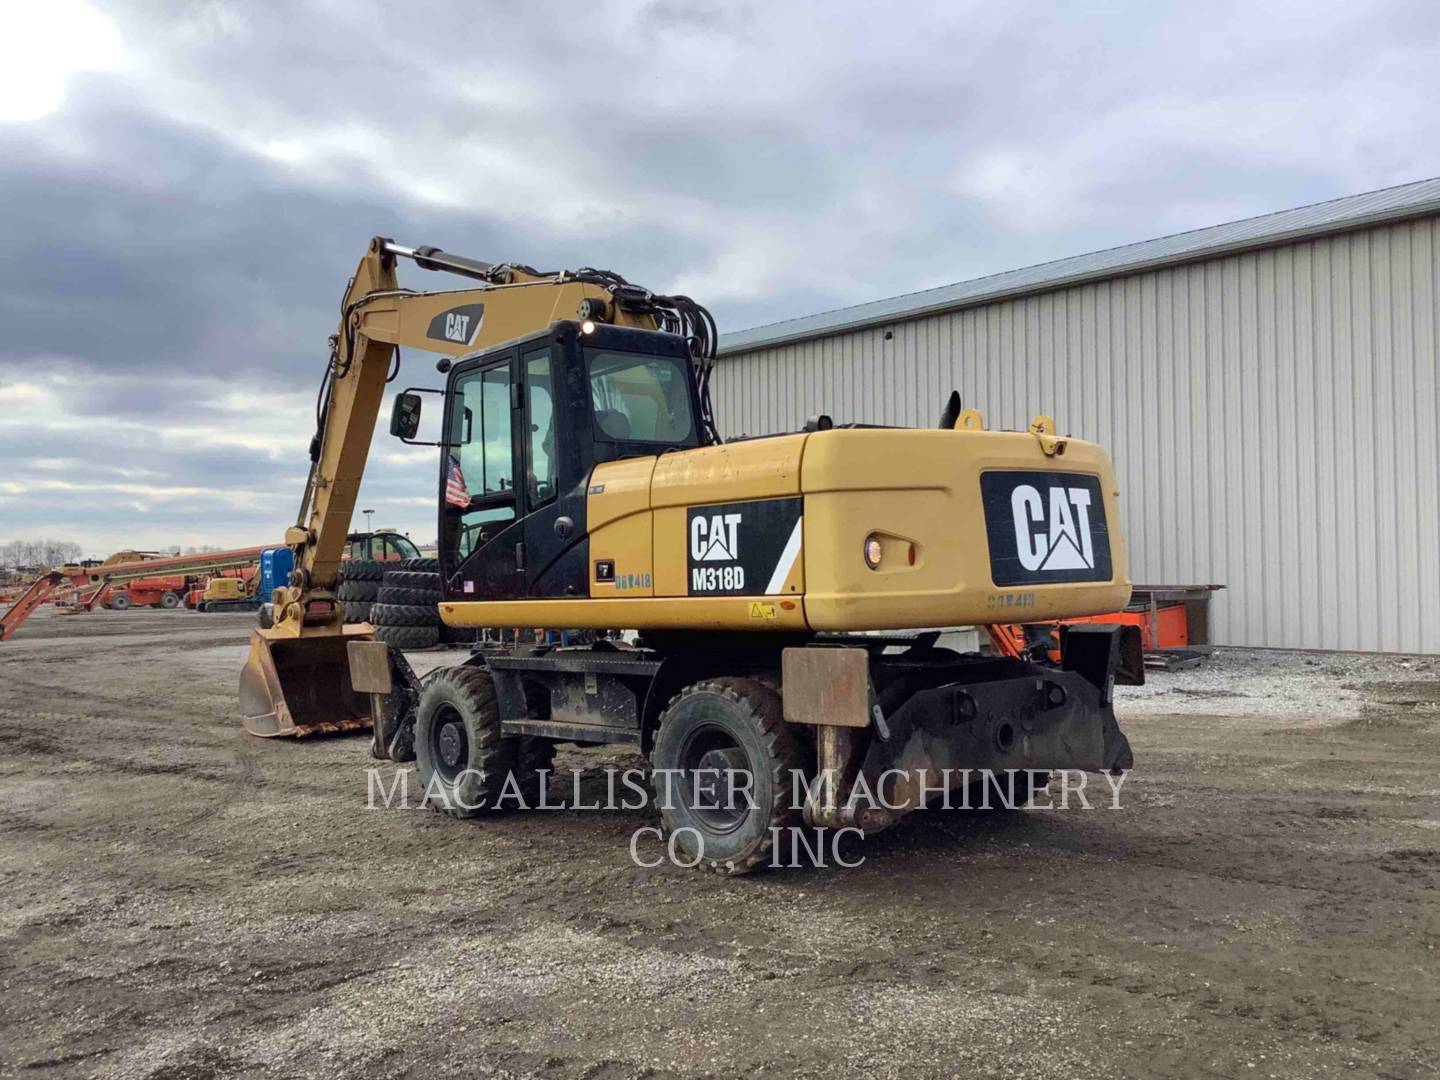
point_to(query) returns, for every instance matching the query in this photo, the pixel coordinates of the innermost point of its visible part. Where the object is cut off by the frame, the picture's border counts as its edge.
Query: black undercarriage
(965, 710)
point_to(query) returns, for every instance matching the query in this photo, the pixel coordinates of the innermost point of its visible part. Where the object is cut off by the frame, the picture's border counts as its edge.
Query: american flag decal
(456, 493)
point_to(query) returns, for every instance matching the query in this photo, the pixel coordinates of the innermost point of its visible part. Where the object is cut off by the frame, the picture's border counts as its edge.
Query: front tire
(460, 754)
(713, 737)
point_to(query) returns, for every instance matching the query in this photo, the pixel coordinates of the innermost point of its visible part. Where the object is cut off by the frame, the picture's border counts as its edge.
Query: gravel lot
(182, 900)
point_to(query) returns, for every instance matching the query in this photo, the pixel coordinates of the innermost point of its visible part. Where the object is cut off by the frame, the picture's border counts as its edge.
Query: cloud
(187, 188)
(59, 39)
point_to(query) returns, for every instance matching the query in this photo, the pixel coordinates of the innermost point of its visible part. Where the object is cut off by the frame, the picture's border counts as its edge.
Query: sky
(185, 187)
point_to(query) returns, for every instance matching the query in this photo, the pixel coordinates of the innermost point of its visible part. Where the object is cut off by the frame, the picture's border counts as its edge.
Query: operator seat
(613, 423)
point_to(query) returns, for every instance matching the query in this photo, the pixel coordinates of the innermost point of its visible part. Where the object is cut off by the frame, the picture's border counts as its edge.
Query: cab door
(554, 474)
(481, 538)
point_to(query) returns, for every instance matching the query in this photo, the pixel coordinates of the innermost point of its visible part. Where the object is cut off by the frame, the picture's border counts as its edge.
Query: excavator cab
(524, 427)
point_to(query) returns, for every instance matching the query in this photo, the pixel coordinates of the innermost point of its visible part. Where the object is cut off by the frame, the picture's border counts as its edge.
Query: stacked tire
(360, 581)
(406, 610)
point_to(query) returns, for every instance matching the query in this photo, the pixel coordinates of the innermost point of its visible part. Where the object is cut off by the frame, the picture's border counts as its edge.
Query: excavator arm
(297, 679)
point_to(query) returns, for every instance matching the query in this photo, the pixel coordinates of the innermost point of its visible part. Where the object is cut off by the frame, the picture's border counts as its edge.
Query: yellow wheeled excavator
(582, 484)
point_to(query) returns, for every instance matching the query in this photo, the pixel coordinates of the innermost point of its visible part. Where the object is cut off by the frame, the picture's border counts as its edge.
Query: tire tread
(764, 707)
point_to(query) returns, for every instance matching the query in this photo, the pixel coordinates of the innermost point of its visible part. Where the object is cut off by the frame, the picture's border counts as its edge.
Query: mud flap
(1106, 654)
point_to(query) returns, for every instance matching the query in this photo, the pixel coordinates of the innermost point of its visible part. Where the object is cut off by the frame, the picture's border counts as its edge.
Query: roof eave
(1389, 216)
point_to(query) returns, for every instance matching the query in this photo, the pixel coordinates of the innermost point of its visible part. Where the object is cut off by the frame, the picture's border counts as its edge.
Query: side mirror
(405, 416)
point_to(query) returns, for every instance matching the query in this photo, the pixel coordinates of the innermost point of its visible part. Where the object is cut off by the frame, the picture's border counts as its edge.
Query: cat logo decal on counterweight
(1059, 540)
(1045, 527)
(742, 549)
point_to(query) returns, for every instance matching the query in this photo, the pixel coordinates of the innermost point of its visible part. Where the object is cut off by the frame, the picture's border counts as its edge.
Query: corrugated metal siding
(1287, 226)
(1271, 415)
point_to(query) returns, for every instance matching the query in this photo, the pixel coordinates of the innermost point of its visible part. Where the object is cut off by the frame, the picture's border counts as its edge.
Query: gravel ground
(185, 901)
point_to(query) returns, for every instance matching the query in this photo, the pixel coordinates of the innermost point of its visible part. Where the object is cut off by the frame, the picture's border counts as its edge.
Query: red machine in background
(206, 581)
(93, 584)
(161, 592)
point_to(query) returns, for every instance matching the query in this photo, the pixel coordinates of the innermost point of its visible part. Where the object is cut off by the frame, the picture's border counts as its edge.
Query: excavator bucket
(299, 686)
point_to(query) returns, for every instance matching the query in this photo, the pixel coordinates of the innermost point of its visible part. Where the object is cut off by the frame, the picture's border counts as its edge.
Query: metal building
(1267, 389)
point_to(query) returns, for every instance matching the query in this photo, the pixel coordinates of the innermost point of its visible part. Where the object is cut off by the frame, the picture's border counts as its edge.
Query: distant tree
(48, 552)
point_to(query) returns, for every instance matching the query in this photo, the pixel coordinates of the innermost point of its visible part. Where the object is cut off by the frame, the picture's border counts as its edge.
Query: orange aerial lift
(102, 579)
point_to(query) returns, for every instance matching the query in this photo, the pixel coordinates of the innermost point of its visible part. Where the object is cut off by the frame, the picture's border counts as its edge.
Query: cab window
(393, 546)
(540, 405)
(480, 476)
(481, 427)
(639, 398)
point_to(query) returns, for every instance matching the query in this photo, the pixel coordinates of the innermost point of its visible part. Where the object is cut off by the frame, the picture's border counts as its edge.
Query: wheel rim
(708, 761)
(449, 744)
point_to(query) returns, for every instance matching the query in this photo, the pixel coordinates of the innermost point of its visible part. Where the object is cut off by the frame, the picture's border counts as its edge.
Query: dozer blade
(299, 686)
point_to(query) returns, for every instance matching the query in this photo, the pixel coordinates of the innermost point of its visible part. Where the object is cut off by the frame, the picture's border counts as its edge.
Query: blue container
(275, 567)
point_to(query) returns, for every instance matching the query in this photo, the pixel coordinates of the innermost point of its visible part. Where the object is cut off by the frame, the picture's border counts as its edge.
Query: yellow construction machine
(582, 484)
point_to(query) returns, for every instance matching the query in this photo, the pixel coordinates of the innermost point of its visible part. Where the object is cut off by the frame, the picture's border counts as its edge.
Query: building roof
(1286, 226)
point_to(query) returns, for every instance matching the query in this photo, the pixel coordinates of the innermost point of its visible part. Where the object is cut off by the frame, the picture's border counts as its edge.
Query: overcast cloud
(185, 187)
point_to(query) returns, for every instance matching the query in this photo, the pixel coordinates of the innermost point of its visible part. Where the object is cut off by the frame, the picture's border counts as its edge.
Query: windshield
(640, 398)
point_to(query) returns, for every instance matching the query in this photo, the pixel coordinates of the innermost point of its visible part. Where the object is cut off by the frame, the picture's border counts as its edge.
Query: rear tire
(169, 601)
(119, 602)
(461, 758)
(727, 725)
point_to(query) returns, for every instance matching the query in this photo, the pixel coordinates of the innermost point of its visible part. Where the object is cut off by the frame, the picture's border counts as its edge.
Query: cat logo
(1045, 528)
(1066, 543)
(715, 538)
(458, 326)
(718, 564)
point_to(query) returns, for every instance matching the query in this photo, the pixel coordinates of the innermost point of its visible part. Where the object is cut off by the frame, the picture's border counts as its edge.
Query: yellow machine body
(230, 588)
(916, 493)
